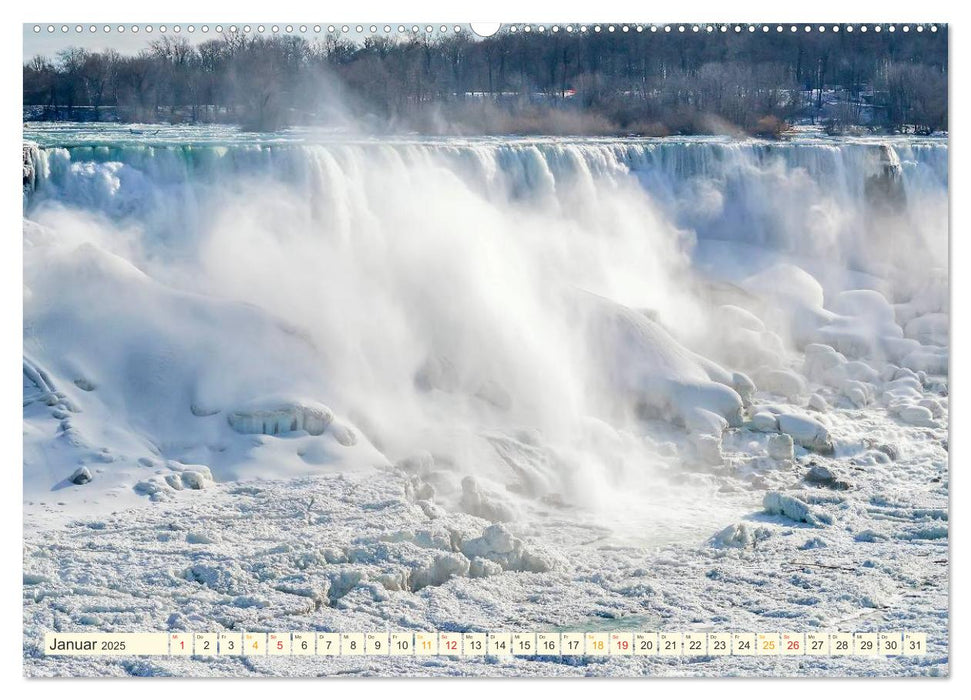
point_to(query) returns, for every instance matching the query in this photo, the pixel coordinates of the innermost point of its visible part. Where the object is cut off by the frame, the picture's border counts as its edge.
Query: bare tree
(639, 82)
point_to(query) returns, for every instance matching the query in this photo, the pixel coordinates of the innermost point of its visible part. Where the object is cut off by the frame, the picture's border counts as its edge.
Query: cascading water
(807, 197)
(525, 311)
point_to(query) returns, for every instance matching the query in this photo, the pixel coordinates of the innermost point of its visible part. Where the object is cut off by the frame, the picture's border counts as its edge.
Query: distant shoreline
(792, 132)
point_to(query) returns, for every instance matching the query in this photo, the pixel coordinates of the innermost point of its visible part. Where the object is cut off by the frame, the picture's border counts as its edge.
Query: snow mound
(865, 303)
(273, 416)
(137, 374)
(861, 324)
(782, 382)
(806, 431)
(787, 282)
(497, 544)
(664, 379)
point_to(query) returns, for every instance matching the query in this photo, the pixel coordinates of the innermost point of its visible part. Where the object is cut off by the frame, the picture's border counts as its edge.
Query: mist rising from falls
(515, 308)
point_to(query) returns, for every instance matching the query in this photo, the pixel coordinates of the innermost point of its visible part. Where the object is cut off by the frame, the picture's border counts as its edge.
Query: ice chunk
(916, 415)
(85, 384)
(203, 538)
(443, 567)
(740, 339)
(780, 446)
(223, 577)
(702, 422)
(276, 416)
(739, 536)
(777, 503)
(857, 392)
(806, 431)
(343, 433)
(933, 405)
(744, 386)
(481, 567)
(193, 480)
(765, 421)
(861, 371)
(498, 545)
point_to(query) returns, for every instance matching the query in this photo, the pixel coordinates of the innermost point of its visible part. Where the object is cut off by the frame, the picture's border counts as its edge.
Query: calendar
(406, 346)
(497, 644)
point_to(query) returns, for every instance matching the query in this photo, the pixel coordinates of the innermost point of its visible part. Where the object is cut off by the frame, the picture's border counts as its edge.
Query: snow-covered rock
(820, 360)
(765, 421)
(81, 475)
(275, 416)
(806, 431)
(825, 476)
(915, 415)
(193, 480)
(779, 446)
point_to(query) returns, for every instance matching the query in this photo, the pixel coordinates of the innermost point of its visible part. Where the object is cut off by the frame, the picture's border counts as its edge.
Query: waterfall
(518, 308)
(805, 197)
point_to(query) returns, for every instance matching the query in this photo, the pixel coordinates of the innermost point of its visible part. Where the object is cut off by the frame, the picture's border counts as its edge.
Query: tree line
(513, 82)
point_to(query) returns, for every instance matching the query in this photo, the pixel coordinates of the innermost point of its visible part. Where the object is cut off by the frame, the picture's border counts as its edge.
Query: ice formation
(449, 374)
(491, 288)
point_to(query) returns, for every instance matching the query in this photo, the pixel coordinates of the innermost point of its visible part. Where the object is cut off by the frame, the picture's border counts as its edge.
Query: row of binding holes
(712, 28)
(246, 29)
(443, 29)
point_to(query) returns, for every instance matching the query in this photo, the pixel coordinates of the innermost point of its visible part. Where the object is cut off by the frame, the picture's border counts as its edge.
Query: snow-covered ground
(285, 384)
(363, 553)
